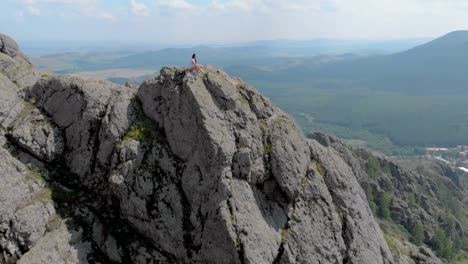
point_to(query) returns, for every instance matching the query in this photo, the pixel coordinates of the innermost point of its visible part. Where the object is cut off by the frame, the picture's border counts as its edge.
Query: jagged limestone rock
(8, 46)
(418, 188)
(227, 176)
(25, 206)
(211, 123)
(15, 65)
(37, 135)
(358, 225)
(10, 103)
(92, 115)
(59, 246)
(406, 253)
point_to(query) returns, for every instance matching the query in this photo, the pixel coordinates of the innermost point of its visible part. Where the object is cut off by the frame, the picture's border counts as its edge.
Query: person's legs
(200, 68)
(196, 68)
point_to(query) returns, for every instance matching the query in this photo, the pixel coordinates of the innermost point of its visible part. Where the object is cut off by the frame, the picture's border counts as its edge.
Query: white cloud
(246, 20)
(34, 10)
(139, 9)
(245, 5)
(236, 5)
(87, 8)
(272, 7)
(63, 2)
(216, 5)
(105, 16)
(96, 12)
(174, 4)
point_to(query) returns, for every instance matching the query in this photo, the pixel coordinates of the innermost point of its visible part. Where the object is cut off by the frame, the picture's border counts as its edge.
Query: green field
(383, 119)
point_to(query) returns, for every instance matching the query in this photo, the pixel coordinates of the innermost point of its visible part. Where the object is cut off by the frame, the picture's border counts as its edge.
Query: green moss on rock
(143, 129)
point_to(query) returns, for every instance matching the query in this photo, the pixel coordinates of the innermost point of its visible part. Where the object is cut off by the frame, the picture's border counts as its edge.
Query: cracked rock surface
(15, 65)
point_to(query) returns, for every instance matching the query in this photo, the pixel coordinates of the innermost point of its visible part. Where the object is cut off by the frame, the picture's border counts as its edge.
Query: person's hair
(193, 57)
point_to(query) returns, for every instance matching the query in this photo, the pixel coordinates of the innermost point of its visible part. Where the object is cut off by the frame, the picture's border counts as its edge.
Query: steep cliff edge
(418, 200)
(185, 169)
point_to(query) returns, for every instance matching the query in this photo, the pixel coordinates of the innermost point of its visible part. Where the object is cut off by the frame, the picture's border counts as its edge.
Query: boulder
(11, 104)
(25, 206)
(59, 246)
(8, 46)
(92, 116)
(15, 65)
(37, 135)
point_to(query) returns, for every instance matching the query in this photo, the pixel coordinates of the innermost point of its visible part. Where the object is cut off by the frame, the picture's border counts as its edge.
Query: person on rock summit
(195, 65)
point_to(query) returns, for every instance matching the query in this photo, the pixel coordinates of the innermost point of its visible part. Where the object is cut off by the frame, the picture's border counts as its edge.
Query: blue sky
(227, 21)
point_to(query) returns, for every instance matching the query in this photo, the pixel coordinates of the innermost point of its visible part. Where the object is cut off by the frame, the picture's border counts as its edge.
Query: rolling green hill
(437, 67)
(413, 98)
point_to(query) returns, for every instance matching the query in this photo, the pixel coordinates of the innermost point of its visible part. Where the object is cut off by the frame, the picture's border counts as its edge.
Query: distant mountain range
(264, 54)
(439, 66)
(414, 97)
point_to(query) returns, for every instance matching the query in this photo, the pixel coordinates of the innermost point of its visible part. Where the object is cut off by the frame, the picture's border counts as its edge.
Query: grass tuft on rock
(28, 106)
(44, 196)
(372, 168)
(54, 222)
(320, 169)
(284, 234)
(267, 149)
(34, 175)
(143, 129)
(391, 243)
(262, 126)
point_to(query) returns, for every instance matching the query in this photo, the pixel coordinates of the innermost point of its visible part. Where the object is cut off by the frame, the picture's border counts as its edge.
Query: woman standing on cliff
(195, 65)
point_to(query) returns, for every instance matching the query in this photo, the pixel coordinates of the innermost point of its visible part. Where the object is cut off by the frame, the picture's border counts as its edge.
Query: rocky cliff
(416, 200)
(184, 169)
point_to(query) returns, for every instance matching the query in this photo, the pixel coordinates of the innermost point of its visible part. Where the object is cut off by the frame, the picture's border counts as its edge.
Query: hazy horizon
(337, 46)
(185, 22)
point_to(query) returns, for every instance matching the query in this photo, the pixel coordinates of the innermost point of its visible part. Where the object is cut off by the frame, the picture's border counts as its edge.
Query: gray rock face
(15, 65)
(246, 173)
(358, 225)
(418, 189)
(59, 246)
(411, 254)
(37, 135)
(91, 114)
(10, 103)
(25, 206)
(205, 170)
(8, 46)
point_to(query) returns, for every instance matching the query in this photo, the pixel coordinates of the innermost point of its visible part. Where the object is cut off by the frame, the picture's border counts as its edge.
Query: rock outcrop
(185, 169)
(26, 204)
(425, 194)
(15, 65)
